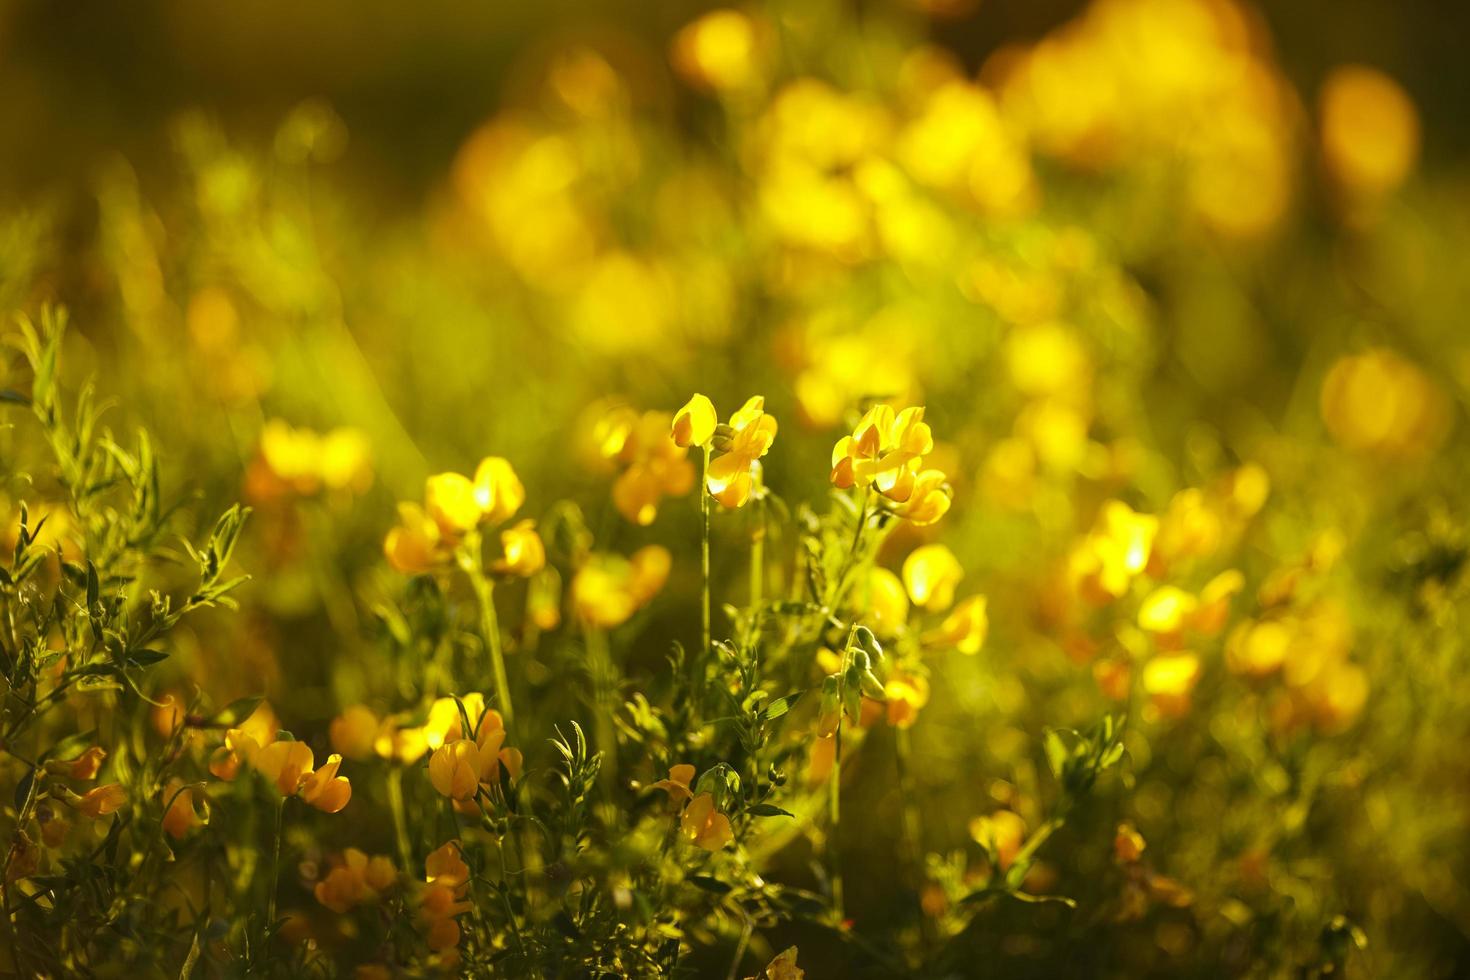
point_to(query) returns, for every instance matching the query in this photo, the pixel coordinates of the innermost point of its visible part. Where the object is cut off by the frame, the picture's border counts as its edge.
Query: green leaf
(236, 711)
(712, 885)
(781, 706)
(768, 810)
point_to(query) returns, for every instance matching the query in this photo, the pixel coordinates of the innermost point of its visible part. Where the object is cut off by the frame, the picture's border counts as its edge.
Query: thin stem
(834, 815)
(600, 663)
(400, 824)
(704, 635)
(758, 547)
(913, 828)
(270, 906)
(490, 630)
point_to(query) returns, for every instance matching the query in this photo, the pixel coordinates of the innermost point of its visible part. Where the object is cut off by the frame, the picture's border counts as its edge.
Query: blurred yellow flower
(719, 51)
(964, 629)
(608, 589)
(704, 825)
(1001, 834)
(356, 880)
(930, 573)
(677, 785)
(1379, 402)
(497, 490)
(1128, 844)
(415, 545)
(1169, 680)
(525, 554)
(450, 501)
(1370, 130)
(354, 732)
(99, 801)
(905, 695)
(656, 467)
(179, 815)
(883, 600)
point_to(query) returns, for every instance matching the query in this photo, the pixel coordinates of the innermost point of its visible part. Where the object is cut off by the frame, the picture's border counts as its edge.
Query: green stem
(758, 549)
(400, 824)
(270, 905)
(704, 579)
(490, 629)
(913, 828)
(834, 814)
(600, 662)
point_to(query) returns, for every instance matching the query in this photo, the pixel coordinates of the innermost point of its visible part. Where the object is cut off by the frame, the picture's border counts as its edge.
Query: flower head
(930, 574)
(99, 801)
(655, 467)
(677, 785)
(525, 554)
(694, 424)
(704, 825)
(964, 629)
(454, 769)
(746, 439)
(324, 789)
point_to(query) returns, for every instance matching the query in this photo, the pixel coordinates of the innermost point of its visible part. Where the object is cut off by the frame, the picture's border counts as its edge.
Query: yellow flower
(84, 766)
(906, 695)
(99, 801)
(719, 51)
(1370, 130)
(356, 880)
(525, 554)
(930, 574)
(354, 732)
(1166, 610)
(677, 785)
(1128, 844)
(1381, 403)
(784, 967)
(704, 825)
(285, 764)
(326, 790)
(445, 866)
(884, 601)
(608, 589)
(886, 452)
(1117, 549)
(1214, 601)
(180, 817)
(454, 769)
(1001, 834)
(450, 501)
(929, 499)
(751, 432)
(543, 599)
(694, 424)
(497, 491)
(656, 467)
(964, 629)
(415, 545)
(1169, 681)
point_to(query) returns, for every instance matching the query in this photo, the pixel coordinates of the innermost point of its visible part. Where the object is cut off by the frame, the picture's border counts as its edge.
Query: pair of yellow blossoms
(454, 505)
(743, 440)
(461, 765)
(885, 452)
(289, 765)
